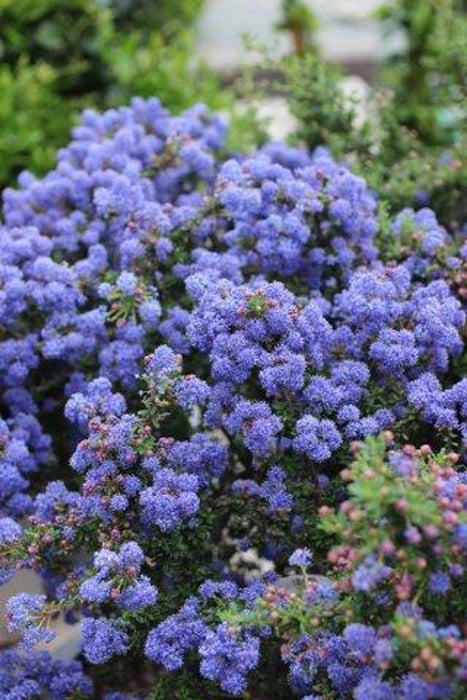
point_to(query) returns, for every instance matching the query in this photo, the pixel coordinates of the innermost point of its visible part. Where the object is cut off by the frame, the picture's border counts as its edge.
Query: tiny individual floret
(301, 558)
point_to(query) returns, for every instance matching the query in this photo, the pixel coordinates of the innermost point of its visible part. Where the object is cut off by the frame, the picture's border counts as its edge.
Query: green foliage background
(59, 56)
(411, 144)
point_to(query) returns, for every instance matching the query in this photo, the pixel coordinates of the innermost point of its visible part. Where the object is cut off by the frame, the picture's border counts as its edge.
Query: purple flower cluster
(396, 629)
(228, 657)
(168, 643)
(23, 446)
(353, 662)
(301, 558)
(23, 613)
(445, 408)
(227, 654)
(172, 498)
(74, 289)
(102, 640)
(186, 340)
(272, 491)
(424, 245)
(283, 213)
(382, 331)
(38, 675)
(97, 399)
(10, 533)
(118, 578)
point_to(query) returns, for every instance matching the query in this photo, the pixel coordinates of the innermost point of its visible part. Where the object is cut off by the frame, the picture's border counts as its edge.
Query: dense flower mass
(390, 579)
(192, 347)
(36, 675)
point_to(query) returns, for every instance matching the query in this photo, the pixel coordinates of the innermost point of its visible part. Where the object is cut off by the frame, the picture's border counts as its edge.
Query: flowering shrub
(36, 674)
(407, 139)
(191, 348)
(377, 627)
(60, 58)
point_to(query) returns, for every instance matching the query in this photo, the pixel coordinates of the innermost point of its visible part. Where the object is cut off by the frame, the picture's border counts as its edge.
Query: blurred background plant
(396, 161)
(429, 76)
(34, 119)
(409, 138)
(74, 37)
(57, 58)
(300, 20)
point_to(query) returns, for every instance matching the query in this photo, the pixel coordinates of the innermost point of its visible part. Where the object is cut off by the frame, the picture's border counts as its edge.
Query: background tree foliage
(57, 58)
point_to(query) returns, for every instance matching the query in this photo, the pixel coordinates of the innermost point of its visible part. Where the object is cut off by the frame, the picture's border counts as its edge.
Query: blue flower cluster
(23, 613)
(72, 249)
(382, 331)
(117, 579)
(168, 643)
(353, 663)
(227, 654)
(102, 640)
(37, 675)
(346, 632)
(284, 213)
(191, 345)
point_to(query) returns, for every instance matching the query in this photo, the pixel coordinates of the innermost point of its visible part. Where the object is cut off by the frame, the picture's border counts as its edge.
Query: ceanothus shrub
(387, 622)
(192, 345)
